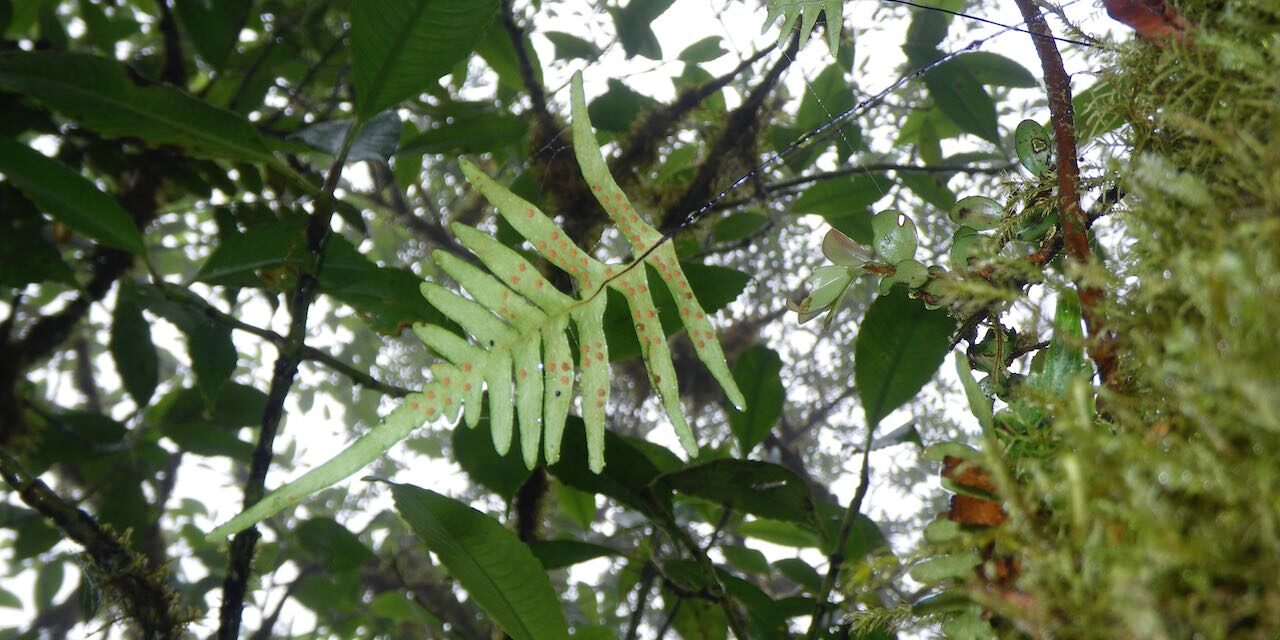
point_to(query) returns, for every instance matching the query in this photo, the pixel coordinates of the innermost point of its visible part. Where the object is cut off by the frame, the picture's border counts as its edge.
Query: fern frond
(518, 348)
(807, 11)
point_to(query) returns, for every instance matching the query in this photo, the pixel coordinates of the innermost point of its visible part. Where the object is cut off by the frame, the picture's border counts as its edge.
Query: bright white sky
(739, 23)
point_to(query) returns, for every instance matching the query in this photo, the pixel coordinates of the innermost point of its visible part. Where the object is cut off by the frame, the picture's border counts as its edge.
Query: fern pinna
(518, 322)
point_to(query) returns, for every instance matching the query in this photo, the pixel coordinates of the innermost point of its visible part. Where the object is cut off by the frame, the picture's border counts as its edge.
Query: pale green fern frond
(518, 348)
(806, 11)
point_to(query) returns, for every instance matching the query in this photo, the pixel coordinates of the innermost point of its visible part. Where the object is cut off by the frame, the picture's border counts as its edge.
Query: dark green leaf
(210, 428)
(827, 96)
(625, 479)
(844, 202)
(739, 226)
(1064, 359)
(474, 451)
(1034, 147)
(132, 350)
(48, 582)
(714, 287)
(239, 256)
(213, 26)
(387, 297)
(800, 572)
(927, 30)
(633, 23)
(399, 47)
(746, 558)
(763, 614)
(26, 256)
(101, 95)
(558, 554)
(8, 600)
(468, 134)
(69, 197)
(899, 346)
(376, 141)
(498, 571)
(580, 506)
(931, 187)
(787, 534)
(759, 488)
(332, 544)
(213, 354)
(757, 374)
(34, 537)
(569, 46)
(995, 69)
(616, 109)
(959, 94)
(704, 50)
(698, 619)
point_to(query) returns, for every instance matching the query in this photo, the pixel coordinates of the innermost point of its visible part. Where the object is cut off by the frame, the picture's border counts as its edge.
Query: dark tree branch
(319, 228)
(175, 67)
(643, 587)
(143, 592)
(528, 75)
(1075, 223)
(737, 139)
(432, 232)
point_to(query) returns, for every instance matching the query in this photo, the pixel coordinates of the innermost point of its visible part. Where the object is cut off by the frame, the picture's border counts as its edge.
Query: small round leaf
(966, 245)
(894, 236)
(980, 212)
(1034, 147)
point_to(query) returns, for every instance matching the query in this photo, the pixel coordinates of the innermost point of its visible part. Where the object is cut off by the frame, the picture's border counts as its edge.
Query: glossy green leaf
(388, 298)
(909, 273)
(739, 226)
(967, 245)
(100, 95)
(979, 403)
(8, 600)
(617, 108)
(213, 354)
(399, 47)
(267, 246)
(210, 429)
(580, 506)
(757, 372)
(634, 27)
(799, 572)
(625, 479)
(746, 558)
(502, 474)
(1034, 147)
(787, 534)
(899, 347)
(759, 488)
(979, 212)
(498, 571)
(699, 620)
(960, 95)
(945, 567)
(931, 187)
(558, 554)
(131, 348)
(69, 197)
(473, 133)
(893, 236)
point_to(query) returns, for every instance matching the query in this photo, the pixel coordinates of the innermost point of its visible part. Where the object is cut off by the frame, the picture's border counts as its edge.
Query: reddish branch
(1075, 223)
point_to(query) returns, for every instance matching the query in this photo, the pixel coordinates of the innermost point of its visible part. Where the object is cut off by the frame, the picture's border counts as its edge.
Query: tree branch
(144, 593)
(1075, 223)
(319, 228)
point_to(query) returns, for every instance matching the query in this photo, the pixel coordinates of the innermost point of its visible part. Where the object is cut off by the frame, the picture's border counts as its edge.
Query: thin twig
(836, 559)
(319, 228)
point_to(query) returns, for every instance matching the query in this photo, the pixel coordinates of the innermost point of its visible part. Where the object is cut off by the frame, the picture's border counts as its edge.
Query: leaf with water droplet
(980, 212)
(1034, 147)
(894, 236)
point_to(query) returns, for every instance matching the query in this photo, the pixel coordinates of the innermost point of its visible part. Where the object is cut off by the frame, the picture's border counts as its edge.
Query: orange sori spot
(555, 235)
(642, 288)
(431, 412)
(655, 340)
(640, 246)
(650, 313)
(688, 296)
(600, 356)
(636, 314)
(413, 405)
(685, 312)
(617, 197)
(583, 261)
(599, 404)
(529, 213)
(523, 374)
(522, 267)
(640, 326)
(586, 284)
(657, 379)
(631, 291)
(601, 393)
(542, 245)
(626, 207)
(699, 315)
(599, 345)
(564, 380)
(515, 279)
(635, 218)
(552, 255)
(595, 187)
(710, 335)
(504, 311)
(447, 381)
(608, 271)
(586, 348)
(574, 271)
(538, 284)
(466, 386)
(506, 295)
(466, 366)
(701, 344)
(448, 402)
(565, 366)
(613, 210)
